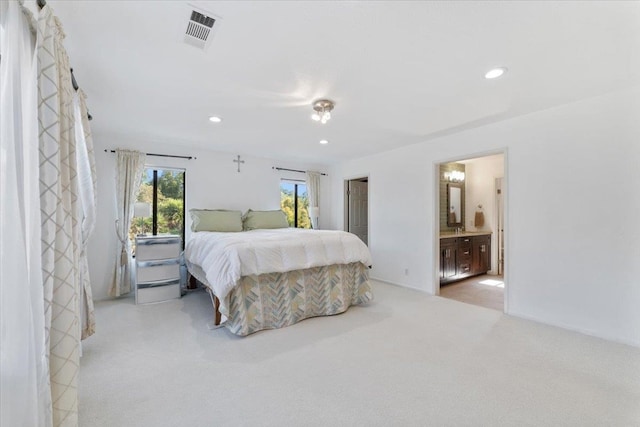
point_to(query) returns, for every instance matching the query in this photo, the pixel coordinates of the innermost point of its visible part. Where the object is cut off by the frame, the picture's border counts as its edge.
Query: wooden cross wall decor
(238, 161)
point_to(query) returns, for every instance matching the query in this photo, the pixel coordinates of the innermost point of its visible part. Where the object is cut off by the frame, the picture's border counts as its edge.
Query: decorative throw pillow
(264, 219)
(215, 220)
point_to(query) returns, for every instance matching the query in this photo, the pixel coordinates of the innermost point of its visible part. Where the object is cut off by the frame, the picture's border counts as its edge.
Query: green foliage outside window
(170, 184)
(170, 203)
(287, 203)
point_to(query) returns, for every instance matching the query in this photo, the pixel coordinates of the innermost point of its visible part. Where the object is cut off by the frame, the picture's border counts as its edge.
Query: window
(163, 189)
(295, 203)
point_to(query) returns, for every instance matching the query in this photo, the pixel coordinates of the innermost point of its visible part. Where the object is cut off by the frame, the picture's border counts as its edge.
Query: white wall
(573, 199)
(212, 181)
(481, 174)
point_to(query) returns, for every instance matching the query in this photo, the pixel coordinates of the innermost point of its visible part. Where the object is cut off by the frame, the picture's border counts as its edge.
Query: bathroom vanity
(464, 255)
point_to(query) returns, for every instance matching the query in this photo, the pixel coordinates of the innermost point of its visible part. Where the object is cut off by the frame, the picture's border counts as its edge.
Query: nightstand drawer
(156, 292)
(157, 248)
(154, 271)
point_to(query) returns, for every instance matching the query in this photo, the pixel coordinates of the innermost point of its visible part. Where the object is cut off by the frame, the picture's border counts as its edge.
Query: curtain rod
(294, 170)
(159, 155)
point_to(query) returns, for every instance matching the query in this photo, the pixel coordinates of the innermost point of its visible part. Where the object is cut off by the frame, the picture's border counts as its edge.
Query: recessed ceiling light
(324, 141)
(495, 73)
(215, 119)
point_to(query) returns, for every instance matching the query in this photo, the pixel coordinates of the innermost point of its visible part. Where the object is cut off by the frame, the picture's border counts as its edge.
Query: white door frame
(345, 203)
(435, 290)
(499, 182)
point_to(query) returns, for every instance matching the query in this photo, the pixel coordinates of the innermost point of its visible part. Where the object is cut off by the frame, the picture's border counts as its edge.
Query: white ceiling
(399, 72)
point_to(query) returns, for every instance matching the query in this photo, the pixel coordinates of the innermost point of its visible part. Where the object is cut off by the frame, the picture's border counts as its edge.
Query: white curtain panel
(61, 225)
(87, 189)
(129, 170)
(313, 192)
(25, 395)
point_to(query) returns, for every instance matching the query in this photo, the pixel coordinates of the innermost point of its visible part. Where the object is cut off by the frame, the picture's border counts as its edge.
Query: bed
(271, 278)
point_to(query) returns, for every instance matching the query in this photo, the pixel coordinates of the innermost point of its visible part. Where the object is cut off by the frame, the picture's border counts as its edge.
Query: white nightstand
(157, 268)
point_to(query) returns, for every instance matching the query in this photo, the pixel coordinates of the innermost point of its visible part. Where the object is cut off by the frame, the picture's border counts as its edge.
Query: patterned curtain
(87, 189)
(61, 225)
(25, 393)
(313, 191)
(130, 166)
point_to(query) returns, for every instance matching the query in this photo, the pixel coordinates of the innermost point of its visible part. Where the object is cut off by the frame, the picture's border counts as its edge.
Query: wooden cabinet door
(481, 254)
(448, 259)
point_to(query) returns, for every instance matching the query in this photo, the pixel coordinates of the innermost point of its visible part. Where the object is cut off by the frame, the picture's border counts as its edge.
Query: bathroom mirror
(455, 215)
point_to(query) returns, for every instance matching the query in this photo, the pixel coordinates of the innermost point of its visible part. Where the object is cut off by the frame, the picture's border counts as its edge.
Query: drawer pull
(167, 241)
(158, 263)
(157, 284)
(466, 253)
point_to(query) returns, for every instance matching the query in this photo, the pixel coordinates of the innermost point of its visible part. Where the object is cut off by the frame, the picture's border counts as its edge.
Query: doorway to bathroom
(470, 234)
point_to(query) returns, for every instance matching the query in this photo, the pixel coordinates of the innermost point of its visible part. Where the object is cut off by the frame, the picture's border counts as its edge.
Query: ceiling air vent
(200, 28)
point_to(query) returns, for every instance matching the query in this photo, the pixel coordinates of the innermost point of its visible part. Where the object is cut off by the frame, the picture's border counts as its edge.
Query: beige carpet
(407, 359)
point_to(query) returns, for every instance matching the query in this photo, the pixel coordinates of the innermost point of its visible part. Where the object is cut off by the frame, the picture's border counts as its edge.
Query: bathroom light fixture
(322, 108)
(454, 176)
(215, 119)
(324, 141)
(495, 73)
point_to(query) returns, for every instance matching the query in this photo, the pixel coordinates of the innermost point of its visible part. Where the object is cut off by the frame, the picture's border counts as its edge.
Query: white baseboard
(401, 285)
(574, 329)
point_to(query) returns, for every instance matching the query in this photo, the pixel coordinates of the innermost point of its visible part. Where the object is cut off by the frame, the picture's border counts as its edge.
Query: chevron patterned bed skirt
(276, 300)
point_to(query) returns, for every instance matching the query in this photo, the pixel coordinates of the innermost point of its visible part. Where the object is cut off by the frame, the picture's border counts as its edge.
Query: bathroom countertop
(448, 234)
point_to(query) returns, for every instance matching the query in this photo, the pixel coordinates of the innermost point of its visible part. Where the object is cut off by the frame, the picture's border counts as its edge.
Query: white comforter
(225, 257)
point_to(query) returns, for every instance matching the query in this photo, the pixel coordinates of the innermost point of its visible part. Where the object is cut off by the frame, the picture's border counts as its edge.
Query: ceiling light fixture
(215, 119)
(322, 108)
(324, 141)
(495, 73)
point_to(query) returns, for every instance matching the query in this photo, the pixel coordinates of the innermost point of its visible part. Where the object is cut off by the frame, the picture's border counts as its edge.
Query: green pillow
(215, 220)
(264, 219)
